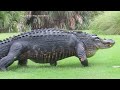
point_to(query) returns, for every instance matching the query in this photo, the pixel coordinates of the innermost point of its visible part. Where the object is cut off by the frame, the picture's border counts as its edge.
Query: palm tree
(61, 19)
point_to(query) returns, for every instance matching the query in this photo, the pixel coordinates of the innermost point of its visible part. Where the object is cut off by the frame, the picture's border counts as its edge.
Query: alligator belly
(47, 57)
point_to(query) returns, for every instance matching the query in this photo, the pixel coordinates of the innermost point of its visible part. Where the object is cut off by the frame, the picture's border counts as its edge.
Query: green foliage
(10, 19)
(100, 66)
(106, 23)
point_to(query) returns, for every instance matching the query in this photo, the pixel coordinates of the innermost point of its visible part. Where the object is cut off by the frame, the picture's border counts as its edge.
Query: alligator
(49, 46)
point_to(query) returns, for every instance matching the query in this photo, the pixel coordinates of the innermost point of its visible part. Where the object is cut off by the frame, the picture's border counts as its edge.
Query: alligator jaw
(109, 42)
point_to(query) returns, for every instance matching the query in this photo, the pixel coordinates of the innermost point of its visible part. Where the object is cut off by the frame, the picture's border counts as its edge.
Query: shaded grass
(100, 66)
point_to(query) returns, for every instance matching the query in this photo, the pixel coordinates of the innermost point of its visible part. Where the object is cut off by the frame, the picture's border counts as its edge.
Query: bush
(9, 20)
(106, 23)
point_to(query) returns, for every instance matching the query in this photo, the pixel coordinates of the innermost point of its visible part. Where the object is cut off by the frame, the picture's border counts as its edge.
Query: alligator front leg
(80, 50)
(14, 51)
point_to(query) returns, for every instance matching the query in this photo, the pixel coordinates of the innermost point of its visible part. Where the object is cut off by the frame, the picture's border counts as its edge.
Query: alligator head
(102, 43)
(93, 43)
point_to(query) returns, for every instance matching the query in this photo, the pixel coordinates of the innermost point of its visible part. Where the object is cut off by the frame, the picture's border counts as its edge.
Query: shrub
(106, 23)
(9, 20)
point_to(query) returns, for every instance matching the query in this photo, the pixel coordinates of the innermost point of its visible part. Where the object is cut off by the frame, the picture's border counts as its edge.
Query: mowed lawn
(100, 66)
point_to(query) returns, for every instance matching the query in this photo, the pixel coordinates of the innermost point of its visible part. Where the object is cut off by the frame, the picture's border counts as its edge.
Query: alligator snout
(109, 42)
(112, 41)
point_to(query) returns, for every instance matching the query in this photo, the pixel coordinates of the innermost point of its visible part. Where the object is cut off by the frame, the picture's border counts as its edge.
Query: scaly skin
(49, 46)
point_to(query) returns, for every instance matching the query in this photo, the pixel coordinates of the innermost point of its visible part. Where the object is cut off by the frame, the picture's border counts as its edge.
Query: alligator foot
(22, 63)
(84, 63)
(53, 64)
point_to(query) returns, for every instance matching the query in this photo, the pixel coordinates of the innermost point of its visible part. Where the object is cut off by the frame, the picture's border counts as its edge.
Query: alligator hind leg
(22, 62)
(53, 63)
(14, 51)
(80, 50)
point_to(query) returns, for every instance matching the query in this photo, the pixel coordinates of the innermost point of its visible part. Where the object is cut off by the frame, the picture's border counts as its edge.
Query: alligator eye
(97, 39)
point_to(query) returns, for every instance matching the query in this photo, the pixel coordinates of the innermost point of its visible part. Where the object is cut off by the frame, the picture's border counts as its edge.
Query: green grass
(100, 66)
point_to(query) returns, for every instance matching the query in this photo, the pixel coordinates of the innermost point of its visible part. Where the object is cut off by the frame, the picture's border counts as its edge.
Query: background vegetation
(100, 22)
(21, 21)
(62, 19)
(12, 21)
(106, 23)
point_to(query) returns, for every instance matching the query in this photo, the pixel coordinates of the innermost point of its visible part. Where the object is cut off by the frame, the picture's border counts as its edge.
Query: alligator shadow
(47, 66)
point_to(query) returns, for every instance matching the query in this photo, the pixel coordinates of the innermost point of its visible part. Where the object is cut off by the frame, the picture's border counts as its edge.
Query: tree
(61, 19)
